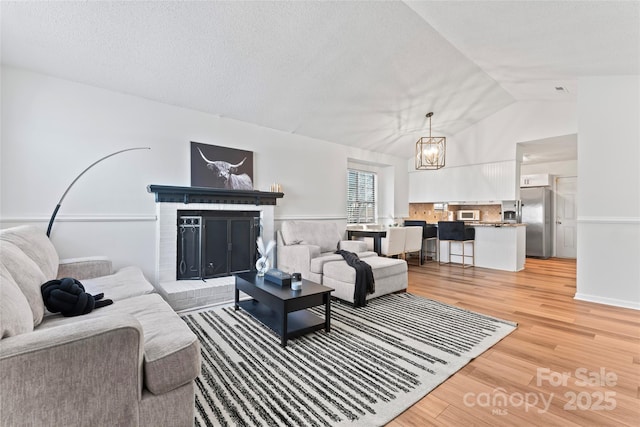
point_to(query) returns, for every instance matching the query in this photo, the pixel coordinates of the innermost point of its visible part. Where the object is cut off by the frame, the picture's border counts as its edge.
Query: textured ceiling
(357, 73)
(530, 47)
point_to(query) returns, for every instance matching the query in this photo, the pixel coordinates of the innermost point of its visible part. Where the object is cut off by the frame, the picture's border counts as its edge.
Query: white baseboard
(608, 301)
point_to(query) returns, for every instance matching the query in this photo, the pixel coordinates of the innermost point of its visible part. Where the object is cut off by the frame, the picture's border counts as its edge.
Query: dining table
(376, 235)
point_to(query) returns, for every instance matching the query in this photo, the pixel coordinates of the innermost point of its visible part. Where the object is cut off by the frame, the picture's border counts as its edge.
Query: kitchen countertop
(494, 224)
(373, 227)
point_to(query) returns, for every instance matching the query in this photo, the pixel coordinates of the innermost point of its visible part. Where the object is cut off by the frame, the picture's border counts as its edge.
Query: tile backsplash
(426, 211)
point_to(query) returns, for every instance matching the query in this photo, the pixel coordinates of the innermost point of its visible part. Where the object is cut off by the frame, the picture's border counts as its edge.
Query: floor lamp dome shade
(431, 150)
(55, 211)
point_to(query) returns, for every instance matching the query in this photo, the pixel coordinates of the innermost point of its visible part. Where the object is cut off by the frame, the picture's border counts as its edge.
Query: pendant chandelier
(431, 150)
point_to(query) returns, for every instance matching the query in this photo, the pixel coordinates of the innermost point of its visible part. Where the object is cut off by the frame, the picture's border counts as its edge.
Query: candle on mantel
(275, 188)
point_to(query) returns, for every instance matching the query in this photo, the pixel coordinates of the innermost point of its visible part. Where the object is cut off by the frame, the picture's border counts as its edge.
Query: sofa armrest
(297, 258)
(81, 373)
(353, 245)
(85, 268)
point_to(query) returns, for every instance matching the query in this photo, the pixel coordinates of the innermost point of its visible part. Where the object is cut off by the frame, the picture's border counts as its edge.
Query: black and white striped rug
(375, 363)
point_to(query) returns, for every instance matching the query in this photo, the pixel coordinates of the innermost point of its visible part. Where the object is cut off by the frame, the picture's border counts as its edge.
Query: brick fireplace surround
(189, 294)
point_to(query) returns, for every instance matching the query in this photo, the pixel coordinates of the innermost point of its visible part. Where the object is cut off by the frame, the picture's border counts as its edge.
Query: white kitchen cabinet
(489, 181)
(536, 180)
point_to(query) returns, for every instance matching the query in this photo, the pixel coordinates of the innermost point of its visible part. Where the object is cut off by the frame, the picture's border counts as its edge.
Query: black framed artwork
(221, 167)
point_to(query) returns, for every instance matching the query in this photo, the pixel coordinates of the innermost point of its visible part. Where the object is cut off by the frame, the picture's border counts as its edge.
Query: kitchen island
(500, 246)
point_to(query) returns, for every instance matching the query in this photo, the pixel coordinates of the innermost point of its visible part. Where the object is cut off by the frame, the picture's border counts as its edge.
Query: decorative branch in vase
(262, 264)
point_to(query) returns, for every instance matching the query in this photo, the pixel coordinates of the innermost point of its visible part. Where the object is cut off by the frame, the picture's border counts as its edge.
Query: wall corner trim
(608, 220)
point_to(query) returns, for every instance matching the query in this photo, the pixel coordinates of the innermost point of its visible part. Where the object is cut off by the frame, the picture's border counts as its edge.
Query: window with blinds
(361, 197)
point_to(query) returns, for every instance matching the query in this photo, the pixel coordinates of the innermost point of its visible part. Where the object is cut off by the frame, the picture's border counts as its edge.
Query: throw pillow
(67, 296)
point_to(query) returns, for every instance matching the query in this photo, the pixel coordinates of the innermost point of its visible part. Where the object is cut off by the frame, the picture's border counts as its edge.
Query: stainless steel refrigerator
(536, 213)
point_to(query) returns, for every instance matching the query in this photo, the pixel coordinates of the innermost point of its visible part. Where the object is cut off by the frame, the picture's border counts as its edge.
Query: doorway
(566, 215)
(557, 158)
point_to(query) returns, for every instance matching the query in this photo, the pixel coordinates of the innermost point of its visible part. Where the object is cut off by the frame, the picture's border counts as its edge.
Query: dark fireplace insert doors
(216, 243)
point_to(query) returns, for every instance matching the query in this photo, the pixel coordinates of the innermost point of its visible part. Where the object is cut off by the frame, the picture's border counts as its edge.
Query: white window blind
(361, 197)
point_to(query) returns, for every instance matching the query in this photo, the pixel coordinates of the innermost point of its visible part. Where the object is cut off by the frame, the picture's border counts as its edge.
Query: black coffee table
(282, 309)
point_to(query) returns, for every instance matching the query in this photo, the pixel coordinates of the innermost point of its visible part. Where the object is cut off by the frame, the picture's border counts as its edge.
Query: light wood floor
(556, 334)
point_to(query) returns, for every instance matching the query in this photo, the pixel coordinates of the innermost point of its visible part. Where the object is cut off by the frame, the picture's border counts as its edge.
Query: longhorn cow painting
(221, 167)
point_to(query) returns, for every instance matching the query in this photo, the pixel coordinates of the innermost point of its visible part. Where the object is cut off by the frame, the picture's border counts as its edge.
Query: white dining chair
(393, 243)
(413, 242)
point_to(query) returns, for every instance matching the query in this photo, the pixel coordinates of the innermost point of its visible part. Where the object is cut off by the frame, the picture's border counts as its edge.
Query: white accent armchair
(305, 246)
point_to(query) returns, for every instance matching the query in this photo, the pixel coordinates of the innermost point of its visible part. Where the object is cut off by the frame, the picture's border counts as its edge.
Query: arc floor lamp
(55, 211)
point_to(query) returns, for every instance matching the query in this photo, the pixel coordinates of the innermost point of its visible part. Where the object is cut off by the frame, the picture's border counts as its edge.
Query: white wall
(494, 139)
(492, 142)
(609, 196)
(561, 168)
(53, 129)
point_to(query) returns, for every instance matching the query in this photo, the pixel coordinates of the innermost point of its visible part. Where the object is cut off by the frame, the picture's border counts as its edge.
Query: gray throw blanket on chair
(364, 278)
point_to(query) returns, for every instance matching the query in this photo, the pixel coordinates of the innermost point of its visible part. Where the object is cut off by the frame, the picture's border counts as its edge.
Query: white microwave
(468, 215)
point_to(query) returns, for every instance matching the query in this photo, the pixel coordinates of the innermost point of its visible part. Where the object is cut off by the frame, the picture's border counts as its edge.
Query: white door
(566, 214)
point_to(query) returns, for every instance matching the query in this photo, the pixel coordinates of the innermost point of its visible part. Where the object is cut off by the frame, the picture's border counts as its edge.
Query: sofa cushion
(390, 276)
(125, 283)
(15, 314)
(171, 350)
(85, 268)
(34, 242)
(356, 246)
(345, 290)
(318, 263)
(27, 275)
(323, 234)
(381, 267)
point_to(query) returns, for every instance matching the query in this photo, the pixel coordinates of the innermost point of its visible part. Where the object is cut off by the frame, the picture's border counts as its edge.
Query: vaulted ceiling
(362, 74)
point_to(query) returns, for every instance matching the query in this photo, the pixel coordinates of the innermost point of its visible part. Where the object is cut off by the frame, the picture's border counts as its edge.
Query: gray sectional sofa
(131, 363)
